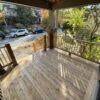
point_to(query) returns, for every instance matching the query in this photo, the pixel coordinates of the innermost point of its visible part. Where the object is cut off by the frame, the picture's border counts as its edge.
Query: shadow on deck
(51, 75)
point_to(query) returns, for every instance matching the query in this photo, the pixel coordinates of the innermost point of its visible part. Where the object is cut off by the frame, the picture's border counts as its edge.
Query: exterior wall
(9, 10)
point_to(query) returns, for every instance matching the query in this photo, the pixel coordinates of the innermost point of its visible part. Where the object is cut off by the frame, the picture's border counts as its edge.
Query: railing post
(51, 39)
(2, 70)
(83, 49)
(99, 73)
(69, 54)
(9, 49)
(45, 43)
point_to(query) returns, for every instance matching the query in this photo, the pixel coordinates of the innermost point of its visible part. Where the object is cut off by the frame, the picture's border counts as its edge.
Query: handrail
(40, 43)
(84, 49)
(97, 43)
(2, 46)
(7, 58)
(79, 39)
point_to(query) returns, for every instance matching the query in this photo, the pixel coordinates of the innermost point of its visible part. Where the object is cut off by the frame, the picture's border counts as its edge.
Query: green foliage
(82, 23)
(45, 21)
(94, 53)
(63, 13)
(2, 18)
(24, 15)
(2, 22)
(76, 18)
(73, 20)
(19, 25)
(67, 26)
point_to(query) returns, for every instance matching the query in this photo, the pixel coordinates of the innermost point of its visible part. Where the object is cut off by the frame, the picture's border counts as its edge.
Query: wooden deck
(50, 76)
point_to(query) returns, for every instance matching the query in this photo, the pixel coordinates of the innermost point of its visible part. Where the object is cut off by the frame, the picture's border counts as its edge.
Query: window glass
(20, 30)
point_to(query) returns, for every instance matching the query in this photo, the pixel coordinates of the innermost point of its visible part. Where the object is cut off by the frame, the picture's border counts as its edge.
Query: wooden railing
(40, 43)
(7, 58)
(84, 49)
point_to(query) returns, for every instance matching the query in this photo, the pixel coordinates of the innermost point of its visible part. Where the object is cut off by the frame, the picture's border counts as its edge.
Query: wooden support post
(51, 39)
(9, 49)
(99, 73)
(45, 43)
(52, 27)
(69, 54)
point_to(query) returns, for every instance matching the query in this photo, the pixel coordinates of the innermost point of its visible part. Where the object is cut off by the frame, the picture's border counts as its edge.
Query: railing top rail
(82, 48)
(2, 47)
(97, 43)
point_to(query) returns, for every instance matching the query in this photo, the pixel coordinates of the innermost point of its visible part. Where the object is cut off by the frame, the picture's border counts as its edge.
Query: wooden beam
(74, 3)
(47, 5)
(34, 3)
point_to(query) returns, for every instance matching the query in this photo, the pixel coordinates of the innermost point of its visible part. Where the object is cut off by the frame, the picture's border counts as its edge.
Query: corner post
(52, 27)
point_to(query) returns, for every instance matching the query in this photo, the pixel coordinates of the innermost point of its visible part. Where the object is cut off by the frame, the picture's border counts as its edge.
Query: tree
(24, 15)
(73, 21)
(62, 16)
(93, 20)
(2, 19)
(85, 23)
(45, 22)
(93, 23)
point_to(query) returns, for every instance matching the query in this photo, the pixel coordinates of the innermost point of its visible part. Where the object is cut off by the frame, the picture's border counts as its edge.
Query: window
(20, 30)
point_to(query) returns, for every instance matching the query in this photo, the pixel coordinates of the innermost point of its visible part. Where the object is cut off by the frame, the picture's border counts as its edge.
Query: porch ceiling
(54, 4)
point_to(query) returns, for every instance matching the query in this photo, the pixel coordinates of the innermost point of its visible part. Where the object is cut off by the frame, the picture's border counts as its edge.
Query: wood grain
(49, 75)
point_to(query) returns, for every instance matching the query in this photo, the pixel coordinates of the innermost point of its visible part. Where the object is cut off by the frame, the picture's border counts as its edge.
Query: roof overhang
(34, 3)
(58, 5)
(75, 3)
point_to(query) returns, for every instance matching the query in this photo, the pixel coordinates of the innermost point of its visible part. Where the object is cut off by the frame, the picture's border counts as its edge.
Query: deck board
(48, 75)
